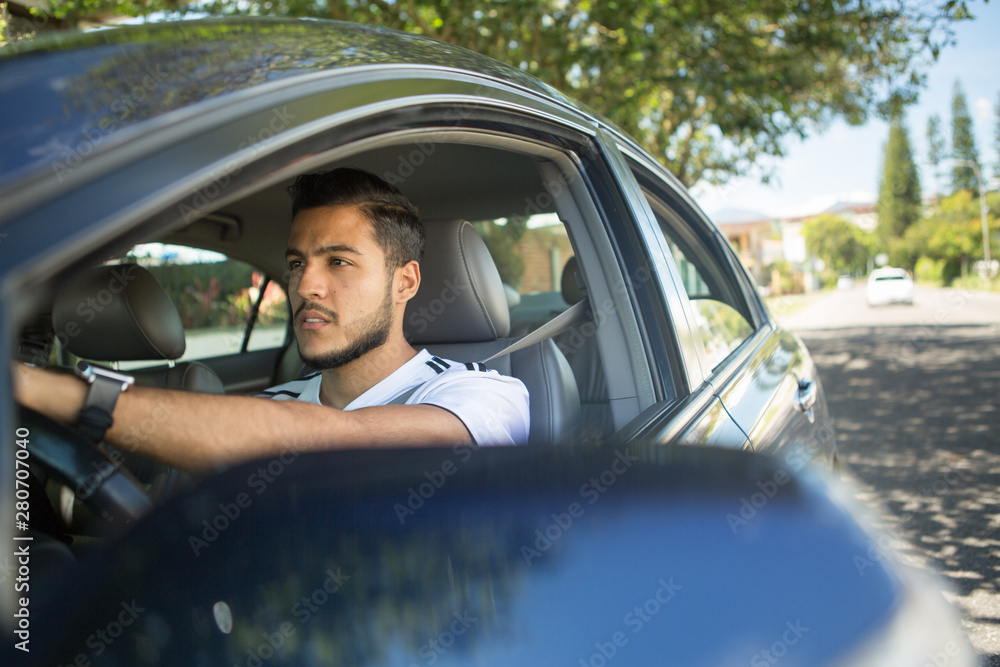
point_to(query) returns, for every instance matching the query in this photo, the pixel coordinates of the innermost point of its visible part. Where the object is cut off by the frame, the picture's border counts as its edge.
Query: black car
(165, 151)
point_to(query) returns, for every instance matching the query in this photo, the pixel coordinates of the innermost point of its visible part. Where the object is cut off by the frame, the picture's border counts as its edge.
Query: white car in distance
(889, 285)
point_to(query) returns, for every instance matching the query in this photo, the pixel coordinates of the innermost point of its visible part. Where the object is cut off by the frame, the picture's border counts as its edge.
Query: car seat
(460, 312)
(121, 313)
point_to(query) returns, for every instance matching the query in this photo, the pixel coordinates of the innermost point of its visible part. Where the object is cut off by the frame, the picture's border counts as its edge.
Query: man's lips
(311, 320)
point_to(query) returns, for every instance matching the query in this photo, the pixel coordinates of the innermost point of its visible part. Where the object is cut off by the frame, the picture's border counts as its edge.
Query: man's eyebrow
(325, 250)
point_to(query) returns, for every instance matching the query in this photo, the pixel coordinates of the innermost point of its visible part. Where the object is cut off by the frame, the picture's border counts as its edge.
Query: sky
(843, 162)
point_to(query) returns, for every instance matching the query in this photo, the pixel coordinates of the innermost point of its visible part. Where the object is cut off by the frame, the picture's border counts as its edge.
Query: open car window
(722, 318)
(530, 253)
(226, 305)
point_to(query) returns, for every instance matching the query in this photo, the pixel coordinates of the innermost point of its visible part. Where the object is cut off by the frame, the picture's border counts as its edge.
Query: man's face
(340, 290)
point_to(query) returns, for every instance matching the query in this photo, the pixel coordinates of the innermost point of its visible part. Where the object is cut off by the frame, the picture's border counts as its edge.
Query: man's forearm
(199, 431)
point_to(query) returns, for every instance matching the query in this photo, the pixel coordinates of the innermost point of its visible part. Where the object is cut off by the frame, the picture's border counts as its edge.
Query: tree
(899, 201)
(952, 232)
(841, 245)
(708, 87)
(935, 147)
(963, 144)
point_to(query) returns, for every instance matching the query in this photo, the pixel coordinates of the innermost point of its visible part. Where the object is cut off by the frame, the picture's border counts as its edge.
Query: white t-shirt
(492, 406)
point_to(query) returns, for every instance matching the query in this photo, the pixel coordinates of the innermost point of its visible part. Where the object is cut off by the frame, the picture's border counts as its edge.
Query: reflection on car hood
(491, 556)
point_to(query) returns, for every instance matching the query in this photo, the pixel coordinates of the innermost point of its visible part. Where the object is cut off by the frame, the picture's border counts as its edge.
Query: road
(914, 392)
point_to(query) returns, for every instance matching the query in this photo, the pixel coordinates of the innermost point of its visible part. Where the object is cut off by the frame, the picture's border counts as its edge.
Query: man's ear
(407, 281)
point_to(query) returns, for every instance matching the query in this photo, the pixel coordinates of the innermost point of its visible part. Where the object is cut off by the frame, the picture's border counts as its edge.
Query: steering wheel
(110, 490)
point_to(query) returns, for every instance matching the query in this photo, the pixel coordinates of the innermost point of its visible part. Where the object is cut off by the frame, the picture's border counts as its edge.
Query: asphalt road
(914, 392)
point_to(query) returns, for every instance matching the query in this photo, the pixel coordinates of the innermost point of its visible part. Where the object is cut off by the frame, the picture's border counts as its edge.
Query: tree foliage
(963, 144)
(935, 147)
(843, 246)
(952, 232)
(708, 86)
(899, 201)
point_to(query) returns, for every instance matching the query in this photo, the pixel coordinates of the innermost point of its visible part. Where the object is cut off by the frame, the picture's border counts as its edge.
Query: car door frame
(758, 384)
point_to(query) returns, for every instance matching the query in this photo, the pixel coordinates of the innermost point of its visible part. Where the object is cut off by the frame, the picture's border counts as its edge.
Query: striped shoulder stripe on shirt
(295, 388)
(439, 364)
(282, 392)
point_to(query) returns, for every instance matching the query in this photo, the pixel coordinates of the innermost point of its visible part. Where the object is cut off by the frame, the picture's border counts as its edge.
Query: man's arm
(200, 431)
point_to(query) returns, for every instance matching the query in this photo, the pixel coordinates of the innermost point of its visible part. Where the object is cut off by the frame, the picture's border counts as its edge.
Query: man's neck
(340, 386)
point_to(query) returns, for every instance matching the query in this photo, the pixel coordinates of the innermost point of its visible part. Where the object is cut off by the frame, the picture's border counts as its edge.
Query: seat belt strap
(561, 322)
(405, 396)
(570, 317)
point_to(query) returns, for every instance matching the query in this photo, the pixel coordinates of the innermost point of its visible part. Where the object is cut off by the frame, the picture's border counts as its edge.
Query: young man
(353, 256)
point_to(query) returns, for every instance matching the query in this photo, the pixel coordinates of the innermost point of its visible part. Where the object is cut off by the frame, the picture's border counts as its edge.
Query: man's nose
(311, 284)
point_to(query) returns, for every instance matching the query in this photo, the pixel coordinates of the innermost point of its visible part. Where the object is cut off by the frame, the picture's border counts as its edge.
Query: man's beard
(372, 332)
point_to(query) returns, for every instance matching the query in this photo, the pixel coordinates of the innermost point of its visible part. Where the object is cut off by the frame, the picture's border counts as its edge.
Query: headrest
(118, 313)
(573, 290)
(461, 297)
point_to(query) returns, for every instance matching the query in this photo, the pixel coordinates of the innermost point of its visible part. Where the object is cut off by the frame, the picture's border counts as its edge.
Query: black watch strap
(102, 395)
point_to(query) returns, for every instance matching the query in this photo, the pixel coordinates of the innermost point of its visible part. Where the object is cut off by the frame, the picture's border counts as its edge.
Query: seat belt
(561, 322)
(405, 396)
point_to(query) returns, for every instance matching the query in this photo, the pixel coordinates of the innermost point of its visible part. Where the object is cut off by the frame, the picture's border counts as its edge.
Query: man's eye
(294, 264)
(336, 261)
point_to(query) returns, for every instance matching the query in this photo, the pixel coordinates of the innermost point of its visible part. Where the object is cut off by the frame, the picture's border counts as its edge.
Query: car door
(761, 374)
(687, 409)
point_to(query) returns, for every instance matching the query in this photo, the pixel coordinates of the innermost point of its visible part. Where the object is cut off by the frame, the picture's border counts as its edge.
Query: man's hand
(201, 431)
(55, 395)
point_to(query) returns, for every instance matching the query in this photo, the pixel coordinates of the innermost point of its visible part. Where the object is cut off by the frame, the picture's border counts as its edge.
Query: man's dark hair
(395, 222)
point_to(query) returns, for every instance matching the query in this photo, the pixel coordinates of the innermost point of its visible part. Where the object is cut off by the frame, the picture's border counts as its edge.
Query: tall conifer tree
(899, 191)
(963, 144)
(935, 148)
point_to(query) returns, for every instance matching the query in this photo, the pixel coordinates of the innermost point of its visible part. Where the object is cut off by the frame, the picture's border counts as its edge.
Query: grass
(789, 303)
(974, 282)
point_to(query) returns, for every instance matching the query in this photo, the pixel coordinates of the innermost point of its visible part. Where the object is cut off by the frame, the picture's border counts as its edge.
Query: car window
(531, 254)
(720, 312)
(220, 300)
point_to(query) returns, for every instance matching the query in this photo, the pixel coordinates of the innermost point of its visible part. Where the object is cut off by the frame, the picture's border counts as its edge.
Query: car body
(845, 282)
(188, 134)
(889, 285)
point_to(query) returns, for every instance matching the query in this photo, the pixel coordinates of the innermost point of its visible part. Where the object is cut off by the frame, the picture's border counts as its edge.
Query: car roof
(886, 271)
(61, 88)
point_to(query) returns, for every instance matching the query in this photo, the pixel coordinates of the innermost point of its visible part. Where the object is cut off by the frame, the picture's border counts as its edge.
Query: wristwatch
(105, 386)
